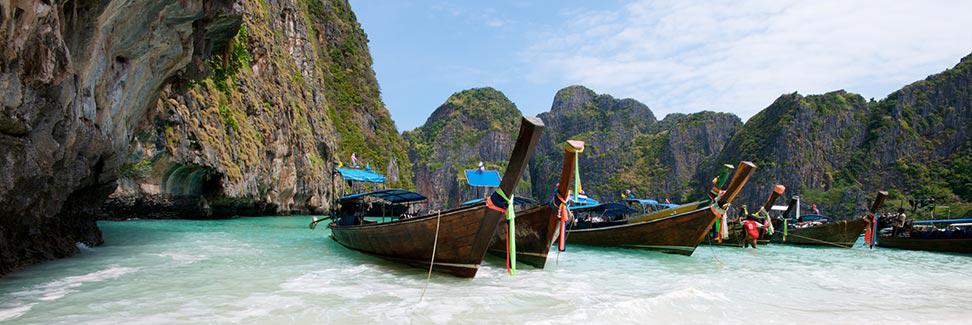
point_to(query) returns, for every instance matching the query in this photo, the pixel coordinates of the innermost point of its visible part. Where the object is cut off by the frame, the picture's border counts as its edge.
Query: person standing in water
(751, 228)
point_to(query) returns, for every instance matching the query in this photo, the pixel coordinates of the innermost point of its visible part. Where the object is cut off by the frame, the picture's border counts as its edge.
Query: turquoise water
(275, 270)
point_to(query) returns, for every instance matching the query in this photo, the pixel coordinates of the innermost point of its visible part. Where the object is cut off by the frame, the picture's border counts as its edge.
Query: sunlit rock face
(288, 97)
(75, 80)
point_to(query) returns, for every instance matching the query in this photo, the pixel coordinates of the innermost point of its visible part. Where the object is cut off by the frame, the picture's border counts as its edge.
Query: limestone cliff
(799, 141)
(292, 94)
(836, 149)
(627, 148)
(76, 78)
(178, 109)
(471, 126)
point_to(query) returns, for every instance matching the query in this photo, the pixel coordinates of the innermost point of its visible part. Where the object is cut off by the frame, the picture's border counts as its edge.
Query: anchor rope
(822, 241)
(435, 243)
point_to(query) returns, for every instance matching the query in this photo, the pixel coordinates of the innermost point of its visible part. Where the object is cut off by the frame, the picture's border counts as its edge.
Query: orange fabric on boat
(869, 231)
(563, 213)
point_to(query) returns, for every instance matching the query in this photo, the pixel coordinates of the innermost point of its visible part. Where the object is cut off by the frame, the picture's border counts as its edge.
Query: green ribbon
(714, 205)
(762, 214)
(511, 233)
(577, 183)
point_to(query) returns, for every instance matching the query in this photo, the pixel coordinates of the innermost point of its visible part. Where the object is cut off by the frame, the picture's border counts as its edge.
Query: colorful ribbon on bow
(563, 210)
(577, 180)
(564, 214)
(870, 233)
(768, 222)
(510, 212)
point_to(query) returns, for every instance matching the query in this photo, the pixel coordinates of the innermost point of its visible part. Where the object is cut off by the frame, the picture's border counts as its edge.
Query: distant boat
(676, 230)
(736, 235)
(458, 237)
(819, 230)
(950, 235)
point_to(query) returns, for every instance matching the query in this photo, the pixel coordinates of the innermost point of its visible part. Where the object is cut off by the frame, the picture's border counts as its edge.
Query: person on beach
(751, 227)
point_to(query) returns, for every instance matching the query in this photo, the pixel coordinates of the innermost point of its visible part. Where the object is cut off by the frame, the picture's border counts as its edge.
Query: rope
(435, 243)
(821, 241)
(712, 250)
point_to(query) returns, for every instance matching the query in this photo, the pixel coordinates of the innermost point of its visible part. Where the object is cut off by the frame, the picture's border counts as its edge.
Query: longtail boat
(820, 230)
(735, 235)
(452, 241)
(949, 235)
(678, 230)
(537, 226)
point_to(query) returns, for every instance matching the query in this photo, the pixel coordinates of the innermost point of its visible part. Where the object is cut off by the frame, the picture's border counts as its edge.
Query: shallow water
(275, 270)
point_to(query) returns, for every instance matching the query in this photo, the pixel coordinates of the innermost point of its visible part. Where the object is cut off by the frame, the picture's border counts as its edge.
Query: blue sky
(674, 56)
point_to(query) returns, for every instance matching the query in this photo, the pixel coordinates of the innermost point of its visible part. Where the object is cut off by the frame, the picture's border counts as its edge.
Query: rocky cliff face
(471, 126)
(76, 78)
(834, 149)
(292, 94)
(178, 109)
(626, 147)
(798, 141)
(837, 149)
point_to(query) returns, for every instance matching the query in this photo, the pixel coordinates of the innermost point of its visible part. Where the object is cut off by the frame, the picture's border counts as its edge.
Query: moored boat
(537, 226)
(452, 241)
(950, 235)
(615, 224)
(820, 230)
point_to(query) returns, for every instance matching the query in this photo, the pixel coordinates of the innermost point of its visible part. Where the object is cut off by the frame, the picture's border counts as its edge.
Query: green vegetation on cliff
(287, 98)
(837, 149)
(472, 125)
(626, 147)
(364, 125)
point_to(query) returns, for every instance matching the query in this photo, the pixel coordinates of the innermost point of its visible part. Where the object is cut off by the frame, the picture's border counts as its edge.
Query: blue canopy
(813, 217)
(612, 209)
(361, 175)
(483, 178)
(392, 195)
(582, 202)
(668, 205)
(643, 201)
(516, 200)
(654, 203)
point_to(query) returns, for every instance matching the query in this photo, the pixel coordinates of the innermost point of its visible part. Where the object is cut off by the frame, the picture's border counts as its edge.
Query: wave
(24, 300)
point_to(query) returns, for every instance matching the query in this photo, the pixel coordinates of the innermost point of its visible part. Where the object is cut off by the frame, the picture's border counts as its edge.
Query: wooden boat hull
(959, 245)
(842, 233)
(677, 234)
(536, 229)
(463, 238)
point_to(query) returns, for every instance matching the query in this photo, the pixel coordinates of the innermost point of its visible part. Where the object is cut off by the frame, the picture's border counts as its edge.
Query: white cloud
(738, 56)
(488, 17)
